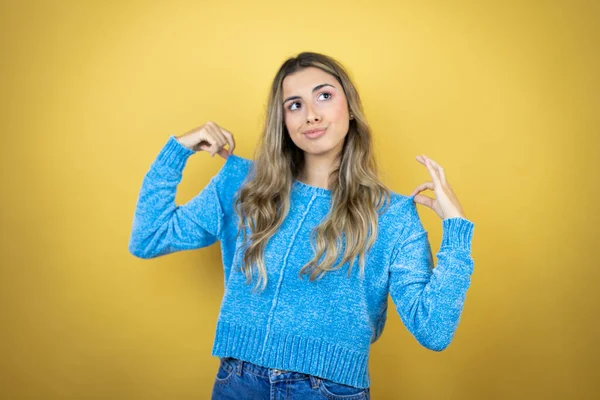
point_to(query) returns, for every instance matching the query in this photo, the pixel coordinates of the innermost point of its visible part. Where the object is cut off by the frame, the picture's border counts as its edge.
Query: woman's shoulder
(238, 162)
(230, 178)
(234, 170)
(399, 203)
(401, 213)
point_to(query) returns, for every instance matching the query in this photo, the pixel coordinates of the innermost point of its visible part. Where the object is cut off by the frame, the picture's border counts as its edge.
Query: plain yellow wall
(504, 95)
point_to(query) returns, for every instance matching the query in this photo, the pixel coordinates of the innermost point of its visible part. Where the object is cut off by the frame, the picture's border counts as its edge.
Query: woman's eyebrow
(314, 90)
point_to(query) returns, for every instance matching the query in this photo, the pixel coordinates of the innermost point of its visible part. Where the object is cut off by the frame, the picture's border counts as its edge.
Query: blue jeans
(237, 379)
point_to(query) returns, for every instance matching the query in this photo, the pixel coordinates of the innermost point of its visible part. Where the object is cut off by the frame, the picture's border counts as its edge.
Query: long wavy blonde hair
(357, 195)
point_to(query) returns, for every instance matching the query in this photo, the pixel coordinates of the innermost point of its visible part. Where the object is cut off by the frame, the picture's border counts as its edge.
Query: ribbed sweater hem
(289, 352)
(457, 233)
(174, 154)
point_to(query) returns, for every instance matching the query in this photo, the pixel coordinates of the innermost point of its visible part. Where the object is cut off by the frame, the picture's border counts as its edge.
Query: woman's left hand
(445, 204)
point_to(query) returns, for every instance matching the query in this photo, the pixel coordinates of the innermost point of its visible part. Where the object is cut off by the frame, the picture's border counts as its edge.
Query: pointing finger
(439, 169)
(223, 153)
(424, 200)
(432, 171)
(420, 188)
(230, 140)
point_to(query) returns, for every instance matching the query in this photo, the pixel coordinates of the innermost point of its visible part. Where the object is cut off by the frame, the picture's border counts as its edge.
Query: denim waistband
(261, 371)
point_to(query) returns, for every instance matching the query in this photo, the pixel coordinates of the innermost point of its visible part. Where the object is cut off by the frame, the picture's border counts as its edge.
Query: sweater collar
(304, 188)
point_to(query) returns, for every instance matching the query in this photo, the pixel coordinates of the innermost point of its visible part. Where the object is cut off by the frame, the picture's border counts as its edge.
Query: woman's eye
(327, 93)
(290, 107)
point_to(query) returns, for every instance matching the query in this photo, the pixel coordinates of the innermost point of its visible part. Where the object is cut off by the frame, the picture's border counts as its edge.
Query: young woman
(296, 220)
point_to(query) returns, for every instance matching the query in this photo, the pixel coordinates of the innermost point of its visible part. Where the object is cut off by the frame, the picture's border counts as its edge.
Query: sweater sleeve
(159, 225)
(430, 300)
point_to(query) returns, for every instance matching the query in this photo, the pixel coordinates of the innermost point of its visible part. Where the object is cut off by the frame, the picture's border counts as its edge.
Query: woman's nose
(311, 115)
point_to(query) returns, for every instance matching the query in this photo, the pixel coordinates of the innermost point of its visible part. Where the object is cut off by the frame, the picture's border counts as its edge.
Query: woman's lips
(315, 134)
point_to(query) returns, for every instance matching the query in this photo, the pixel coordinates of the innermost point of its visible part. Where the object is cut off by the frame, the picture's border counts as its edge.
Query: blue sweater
(325, 327)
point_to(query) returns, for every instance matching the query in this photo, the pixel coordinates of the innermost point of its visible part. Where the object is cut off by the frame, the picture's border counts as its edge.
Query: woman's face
(313, 99)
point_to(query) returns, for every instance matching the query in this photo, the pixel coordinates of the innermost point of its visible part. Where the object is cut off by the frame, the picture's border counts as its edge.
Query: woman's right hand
(208, 137)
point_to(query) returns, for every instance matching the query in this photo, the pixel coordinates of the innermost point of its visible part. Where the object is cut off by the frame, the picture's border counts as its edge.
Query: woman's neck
(316, 170)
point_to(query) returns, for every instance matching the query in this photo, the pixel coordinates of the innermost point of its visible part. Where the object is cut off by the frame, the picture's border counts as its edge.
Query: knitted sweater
(325, 327)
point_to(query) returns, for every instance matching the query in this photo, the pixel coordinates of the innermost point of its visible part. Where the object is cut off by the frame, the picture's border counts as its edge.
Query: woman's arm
(430, 301)
(159, 225)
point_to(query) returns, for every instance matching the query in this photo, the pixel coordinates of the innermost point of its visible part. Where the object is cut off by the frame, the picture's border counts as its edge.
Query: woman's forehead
(305, 80)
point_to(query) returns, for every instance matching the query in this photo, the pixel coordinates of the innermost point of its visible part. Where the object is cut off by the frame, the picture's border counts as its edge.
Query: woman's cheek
(291, 123)
(288, 118)
(335, 108)
(296, 121)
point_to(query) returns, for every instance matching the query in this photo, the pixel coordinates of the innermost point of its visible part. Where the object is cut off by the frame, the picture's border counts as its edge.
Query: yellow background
(504, 95)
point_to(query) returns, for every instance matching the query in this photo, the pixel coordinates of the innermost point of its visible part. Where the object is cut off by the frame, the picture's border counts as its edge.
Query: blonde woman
(312, 241)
